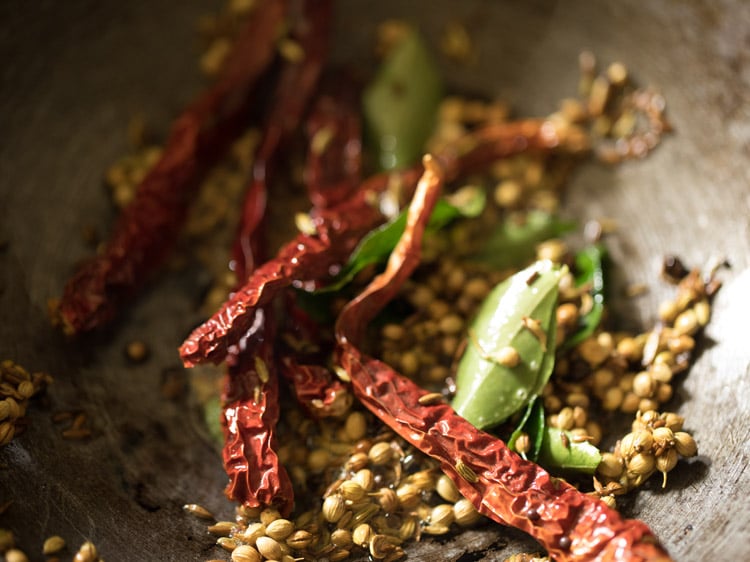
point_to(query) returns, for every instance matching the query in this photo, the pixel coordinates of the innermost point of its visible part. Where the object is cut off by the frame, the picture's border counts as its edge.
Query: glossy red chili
(251, 396)
(311, 259)
(147, 229)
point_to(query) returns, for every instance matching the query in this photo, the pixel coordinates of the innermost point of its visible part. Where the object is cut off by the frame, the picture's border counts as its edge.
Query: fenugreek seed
(87, 553)
(269, 548)
(684, 444)
(136, 351)
(612, 399)
(356, 426)
(279, 529)
(666, 462)
(424, 480)
(641, 464)
(702, 312)
(447, 489)
(388, 500)
(565, 419)
(507, 356)
(567, 315)
(26, 389)
(381, 453)
(631, 403)
(252, 532)
(380, 546)
(15, 555)
(341, 538)
(465, 513)
(643, 385)
(198, 511)
(592, 352)
(394, 332)
(686, 323)
(333, 508)
(318, 460)
(610, 466)
(477, 288)
(362, 534)
(643, 440)
(523, 443)
(626, 446)
(535, 327)
(442, 514)
(364, 513)
(222, 528)
(227, 543)
(408, 495)
(673, 421)
(299, 540)
(553, 249)
(246, 553)
(352, 491)
(358, 461)
(451, 324)
(365, 478)
(661, 372)
(663, 393)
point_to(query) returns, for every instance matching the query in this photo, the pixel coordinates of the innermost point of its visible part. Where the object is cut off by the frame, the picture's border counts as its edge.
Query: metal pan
(74, 73)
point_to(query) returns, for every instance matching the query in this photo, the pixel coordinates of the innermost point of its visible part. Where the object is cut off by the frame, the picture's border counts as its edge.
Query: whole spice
(507, 487)
(147, 228)
(307, 260)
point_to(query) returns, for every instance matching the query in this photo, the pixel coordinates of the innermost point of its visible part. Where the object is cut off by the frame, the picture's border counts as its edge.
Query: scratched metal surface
(72, 76)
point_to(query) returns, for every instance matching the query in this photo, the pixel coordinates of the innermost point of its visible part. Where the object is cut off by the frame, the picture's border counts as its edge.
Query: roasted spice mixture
(361, 489)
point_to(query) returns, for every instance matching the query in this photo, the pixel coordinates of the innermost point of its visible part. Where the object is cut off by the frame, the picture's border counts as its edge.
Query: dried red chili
(250, 414)
(298, 80)
(307, 262)
(148, 227)
(572, 526)
(251, 395)
(334, 157)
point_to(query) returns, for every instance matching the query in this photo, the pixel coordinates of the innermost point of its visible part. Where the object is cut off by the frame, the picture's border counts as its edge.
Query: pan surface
(75, 72)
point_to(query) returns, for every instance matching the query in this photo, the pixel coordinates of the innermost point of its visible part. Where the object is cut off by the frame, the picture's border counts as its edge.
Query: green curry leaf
(401, 103)
(559, 451)
(514, 243)
(590, 263)
(520, 314)
(377, 245)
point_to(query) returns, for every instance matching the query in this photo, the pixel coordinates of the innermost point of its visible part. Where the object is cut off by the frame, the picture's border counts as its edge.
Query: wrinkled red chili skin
(250, 415)
(306, 262)
(572, 526)
(310, 260)
(147, 229)
(333, 171)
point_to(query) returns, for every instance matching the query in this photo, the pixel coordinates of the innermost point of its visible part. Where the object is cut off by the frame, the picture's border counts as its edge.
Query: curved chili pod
(309, 259)
(571, 525)
(148, 227)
